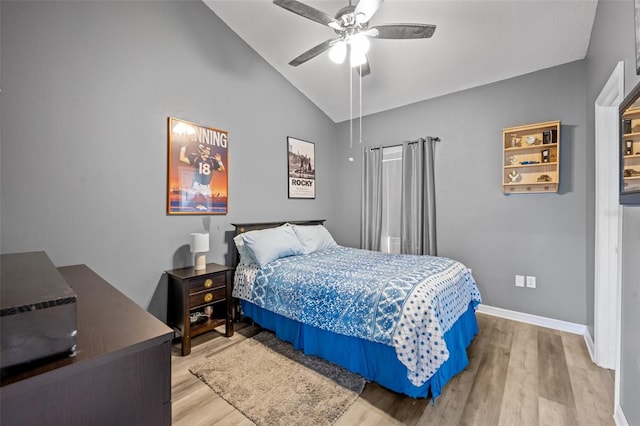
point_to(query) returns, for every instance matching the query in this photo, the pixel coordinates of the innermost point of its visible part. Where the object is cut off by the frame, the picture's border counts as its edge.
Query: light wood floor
(518, 374)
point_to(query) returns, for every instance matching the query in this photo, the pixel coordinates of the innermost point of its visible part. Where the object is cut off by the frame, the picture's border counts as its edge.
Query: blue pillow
(314, 238)
(267, 245)
(245, 256)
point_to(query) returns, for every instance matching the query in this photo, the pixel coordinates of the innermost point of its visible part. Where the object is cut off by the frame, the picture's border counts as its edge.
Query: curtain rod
(436, 139)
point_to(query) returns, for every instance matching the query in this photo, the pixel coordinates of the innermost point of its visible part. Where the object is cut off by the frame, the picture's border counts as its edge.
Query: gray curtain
(371, 211)
(418, 210)
(429, 227)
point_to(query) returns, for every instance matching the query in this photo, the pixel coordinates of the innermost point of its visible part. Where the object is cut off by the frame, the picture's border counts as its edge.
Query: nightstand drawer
(205, 297)
(207, 283)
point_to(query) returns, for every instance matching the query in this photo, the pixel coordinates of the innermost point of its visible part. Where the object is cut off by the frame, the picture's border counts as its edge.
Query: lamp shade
(338, 52)
(357, 58)
(199, 242)
(360, 43)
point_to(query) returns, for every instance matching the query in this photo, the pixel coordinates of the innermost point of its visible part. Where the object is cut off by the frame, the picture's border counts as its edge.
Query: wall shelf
(630, 150)
(537, 145)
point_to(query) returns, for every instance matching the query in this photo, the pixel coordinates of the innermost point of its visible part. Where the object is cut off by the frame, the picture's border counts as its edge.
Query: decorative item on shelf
(545, 155)
(514, 176)
(629, 147)
(627, 125)
(549, 136)
(511, 160)
(199, 246)
(529, 162)
(631, 172)
(544, 178)
(530, 140)
(515, 141)
(196, 317)
(208, 310)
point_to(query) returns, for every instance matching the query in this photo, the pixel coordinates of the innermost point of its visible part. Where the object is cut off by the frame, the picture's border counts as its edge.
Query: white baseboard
(591, 347)
(619, 417)
(555, 324)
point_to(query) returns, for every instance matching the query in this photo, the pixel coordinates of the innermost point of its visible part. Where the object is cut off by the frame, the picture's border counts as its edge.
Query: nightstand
(192, 292)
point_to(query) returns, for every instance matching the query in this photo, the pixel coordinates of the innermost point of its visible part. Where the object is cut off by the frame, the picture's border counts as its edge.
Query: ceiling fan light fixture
(360, 42)
(338, 52)
(357, 58)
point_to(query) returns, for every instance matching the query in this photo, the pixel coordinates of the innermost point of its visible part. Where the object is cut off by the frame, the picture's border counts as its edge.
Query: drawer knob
(208, 283)
(208, 297)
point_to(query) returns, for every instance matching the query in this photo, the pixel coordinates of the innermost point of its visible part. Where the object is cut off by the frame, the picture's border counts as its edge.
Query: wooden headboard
(254, 226)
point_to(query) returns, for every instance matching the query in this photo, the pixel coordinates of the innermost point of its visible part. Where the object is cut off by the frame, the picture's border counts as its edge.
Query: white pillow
(314, 238)
(267, 245)
(243, 251)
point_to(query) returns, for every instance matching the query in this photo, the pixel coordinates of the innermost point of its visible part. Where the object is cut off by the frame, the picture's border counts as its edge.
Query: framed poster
(637, 21)
(197, 177)
(302, 168)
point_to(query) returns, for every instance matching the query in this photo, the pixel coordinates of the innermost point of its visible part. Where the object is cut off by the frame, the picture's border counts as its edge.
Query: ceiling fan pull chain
(360, 75)
(350, 108)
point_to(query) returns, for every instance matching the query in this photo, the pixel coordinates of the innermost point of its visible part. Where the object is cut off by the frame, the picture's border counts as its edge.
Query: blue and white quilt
(405, 301)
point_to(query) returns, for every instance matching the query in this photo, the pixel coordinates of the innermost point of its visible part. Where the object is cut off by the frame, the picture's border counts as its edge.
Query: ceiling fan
(351, 23)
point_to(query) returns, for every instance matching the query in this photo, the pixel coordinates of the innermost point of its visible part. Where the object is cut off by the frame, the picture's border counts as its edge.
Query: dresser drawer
(205, 297)
(207, 283)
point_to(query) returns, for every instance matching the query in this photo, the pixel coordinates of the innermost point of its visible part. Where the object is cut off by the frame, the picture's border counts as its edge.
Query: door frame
(607, 273)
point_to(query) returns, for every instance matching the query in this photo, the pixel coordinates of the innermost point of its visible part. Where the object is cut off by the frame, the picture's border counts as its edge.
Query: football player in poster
(204, 165)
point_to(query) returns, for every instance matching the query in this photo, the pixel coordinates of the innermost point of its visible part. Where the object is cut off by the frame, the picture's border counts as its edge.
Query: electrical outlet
(519, 280)
(531, 282)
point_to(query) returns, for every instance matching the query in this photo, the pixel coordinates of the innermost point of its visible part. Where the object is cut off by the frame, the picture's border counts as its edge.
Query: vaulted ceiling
(475, 43)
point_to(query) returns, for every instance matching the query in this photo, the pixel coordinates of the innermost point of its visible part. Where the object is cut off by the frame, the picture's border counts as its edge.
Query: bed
(402, 321)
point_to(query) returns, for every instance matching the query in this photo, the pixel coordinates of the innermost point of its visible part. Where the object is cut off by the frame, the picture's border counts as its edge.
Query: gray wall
(612, 40)
(86, 91)
(497, 235)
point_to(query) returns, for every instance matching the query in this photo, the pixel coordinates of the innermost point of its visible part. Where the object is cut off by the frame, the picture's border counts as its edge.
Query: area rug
(273, 384)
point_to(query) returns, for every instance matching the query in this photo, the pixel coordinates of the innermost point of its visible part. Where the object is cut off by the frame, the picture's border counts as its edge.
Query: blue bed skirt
(374, 361)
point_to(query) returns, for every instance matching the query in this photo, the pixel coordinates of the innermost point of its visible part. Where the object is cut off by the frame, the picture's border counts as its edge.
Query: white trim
(619, 417)
(569, 327)
(590, 346)
(617, 377)
(607, 220)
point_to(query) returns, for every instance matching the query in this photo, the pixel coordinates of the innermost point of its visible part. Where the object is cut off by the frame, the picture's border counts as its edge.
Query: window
(391, 199)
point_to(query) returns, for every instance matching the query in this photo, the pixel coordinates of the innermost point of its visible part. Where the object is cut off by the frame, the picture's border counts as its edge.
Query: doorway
(607, 224)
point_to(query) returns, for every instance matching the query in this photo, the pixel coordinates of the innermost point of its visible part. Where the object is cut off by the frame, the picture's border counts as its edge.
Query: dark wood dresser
(121, 374)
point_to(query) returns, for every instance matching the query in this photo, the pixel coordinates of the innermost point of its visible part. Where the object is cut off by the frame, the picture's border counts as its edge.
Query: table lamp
(199, 246)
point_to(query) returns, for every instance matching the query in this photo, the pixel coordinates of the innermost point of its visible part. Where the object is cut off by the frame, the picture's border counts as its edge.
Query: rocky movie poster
(302, 168)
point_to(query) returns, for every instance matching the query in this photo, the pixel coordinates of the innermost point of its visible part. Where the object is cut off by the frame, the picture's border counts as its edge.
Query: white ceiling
(476, 42)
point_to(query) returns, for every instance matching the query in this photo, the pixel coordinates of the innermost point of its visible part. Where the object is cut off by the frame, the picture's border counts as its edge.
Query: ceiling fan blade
(364, 69)
(308, 12)
(313, 52)
(367, 8)
(402, 31)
